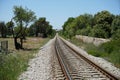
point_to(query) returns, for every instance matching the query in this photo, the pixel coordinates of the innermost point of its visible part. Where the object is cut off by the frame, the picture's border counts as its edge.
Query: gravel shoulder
(40, 67)
(44, 65)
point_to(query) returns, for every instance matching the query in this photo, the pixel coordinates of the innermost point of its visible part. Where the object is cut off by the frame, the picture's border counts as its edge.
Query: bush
(111, 46)
(112, 51)
(94, 53)
(11, 66)
(109, 50)
(115, 58)
(116, 35)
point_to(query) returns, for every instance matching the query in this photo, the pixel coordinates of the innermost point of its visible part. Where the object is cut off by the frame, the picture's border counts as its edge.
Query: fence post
(4, 46)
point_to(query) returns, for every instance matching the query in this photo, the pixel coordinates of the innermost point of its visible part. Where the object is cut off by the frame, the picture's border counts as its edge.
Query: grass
(109, 51)
(112, 49)
(13, 64)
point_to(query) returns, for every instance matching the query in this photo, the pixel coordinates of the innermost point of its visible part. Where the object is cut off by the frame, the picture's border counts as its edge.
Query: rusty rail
(62, 64)
(103, 71)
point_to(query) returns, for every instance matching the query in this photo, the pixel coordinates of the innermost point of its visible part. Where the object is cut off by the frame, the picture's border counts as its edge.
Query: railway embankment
(42, 67)
(97, 60)
(95, 41)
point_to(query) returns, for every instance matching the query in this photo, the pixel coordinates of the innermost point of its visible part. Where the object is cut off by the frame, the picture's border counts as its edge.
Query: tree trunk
(21, 41)
(15, 42)
(17, 45)
(36, 34)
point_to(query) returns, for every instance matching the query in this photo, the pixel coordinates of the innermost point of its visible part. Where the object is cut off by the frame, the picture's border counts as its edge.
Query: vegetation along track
(76, 66)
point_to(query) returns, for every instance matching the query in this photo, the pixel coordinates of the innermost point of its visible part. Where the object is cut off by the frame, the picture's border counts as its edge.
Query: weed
(109, 50)
(13, 64)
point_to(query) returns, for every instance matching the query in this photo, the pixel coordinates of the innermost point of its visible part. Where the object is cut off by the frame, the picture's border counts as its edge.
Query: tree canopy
(102, 25)
(41, 27)
(3, 30)
(19, 23)
(22, 18)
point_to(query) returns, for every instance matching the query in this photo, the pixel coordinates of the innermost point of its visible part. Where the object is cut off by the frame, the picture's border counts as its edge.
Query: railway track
(75, 66)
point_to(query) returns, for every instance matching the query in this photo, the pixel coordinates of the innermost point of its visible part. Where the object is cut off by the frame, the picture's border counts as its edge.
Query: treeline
(102, 25)
(18, 27)
(40, 28)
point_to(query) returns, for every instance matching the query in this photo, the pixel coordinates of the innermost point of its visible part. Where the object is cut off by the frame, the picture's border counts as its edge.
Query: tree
(69, 21)
(78, 25)
(3, 29)
(67, 29)
(115, 24)
(32, 30)
(116, 35)
(83, 21)
(22, 17)
(98, 32)
(85, 31)
(103, 16)
(104, 20)
(116, 27)
(83, 24)
(103, 24)
(10, 25)
(41, 27)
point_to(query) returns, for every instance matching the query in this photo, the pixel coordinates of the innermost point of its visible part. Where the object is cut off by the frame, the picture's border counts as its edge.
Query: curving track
(77, 67)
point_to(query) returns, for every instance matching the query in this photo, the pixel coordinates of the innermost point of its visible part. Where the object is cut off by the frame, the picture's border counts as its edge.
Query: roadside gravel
(40, 67)
(45, 65)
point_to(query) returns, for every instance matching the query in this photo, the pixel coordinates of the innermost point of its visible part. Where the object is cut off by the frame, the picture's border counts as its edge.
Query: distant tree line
(102, 25)
(41, 28)
(3, 29)
(18, 28)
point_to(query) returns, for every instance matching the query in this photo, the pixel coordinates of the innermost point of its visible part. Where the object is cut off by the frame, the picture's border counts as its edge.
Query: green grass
(13, 64)
(109, 51)
(112, 49)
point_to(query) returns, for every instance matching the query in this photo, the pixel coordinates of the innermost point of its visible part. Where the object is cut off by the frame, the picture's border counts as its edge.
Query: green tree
(41, 27)
(3, 29)
(103, 24)
(116, 35)
(103, 16)
(83, 21)
(78, 25)
(67, 28)
(104, 20)
(116, 28)
(32, 30)
(69, 21)
(85, 31)
(22, 17)
(10, 26)
(98, 32)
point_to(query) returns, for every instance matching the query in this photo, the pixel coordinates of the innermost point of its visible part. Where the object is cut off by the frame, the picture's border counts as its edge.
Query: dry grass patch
(14, 63)
(109, 50)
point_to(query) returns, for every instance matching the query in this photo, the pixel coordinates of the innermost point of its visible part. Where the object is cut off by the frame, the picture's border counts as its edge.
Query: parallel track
(76, 66)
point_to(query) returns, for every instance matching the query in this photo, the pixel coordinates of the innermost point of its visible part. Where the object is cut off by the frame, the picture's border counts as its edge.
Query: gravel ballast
(40, 67)
(99, 61)
(44, 65)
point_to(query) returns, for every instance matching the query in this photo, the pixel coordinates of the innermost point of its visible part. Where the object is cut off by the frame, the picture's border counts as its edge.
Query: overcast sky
(58, 11)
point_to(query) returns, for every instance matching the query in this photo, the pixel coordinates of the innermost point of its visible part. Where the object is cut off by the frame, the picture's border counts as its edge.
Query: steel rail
(103, 71)
(62, 64)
